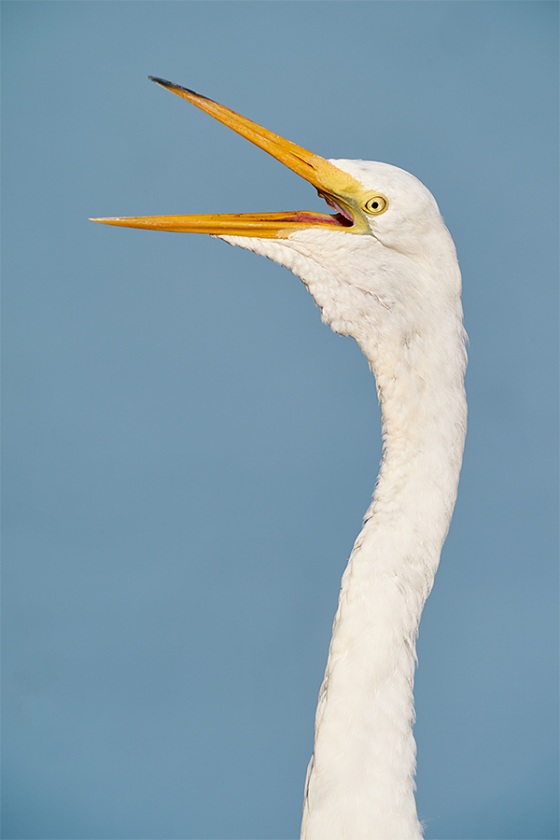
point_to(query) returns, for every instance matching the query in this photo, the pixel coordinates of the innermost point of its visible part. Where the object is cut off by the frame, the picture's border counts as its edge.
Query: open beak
(338, 188)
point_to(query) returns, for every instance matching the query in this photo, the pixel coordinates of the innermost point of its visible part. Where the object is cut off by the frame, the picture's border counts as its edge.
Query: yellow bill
(342, 192)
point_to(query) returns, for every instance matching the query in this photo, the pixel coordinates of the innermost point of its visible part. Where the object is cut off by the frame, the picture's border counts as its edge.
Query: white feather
(398, 293)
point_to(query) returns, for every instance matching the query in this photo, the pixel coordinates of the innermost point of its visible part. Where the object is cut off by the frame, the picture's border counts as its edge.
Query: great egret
(383, 269)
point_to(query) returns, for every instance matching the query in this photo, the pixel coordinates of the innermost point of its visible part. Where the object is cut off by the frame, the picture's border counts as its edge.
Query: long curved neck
(360, 783)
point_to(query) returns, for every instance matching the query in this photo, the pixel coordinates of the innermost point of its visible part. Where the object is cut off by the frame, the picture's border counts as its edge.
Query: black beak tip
(164, 83)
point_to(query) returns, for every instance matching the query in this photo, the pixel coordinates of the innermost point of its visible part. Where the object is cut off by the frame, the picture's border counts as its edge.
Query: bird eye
(376, 204)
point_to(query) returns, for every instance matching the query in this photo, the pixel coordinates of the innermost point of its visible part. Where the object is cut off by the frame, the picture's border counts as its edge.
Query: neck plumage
(360, 783)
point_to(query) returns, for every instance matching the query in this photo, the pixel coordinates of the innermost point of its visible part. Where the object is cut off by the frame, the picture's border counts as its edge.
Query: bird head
(375, 251)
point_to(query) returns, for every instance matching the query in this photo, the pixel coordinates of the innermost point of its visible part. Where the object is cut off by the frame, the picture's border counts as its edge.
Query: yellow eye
(376, 204)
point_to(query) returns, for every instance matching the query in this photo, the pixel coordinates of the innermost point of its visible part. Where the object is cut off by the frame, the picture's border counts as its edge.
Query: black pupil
(375, 204)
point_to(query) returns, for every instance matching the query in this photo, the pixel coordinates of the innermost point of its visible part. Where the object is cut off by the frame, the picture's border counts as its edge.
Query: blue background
(188, 451)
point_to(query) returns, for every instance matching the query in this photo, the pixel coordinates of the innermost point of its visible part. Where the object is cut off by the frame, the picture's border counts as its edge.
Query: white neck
(360, 783)
(398, 293)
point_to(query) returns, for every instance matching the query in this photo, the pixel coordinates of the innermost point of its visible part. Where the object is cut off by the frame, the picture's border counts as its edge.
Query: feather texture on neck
(398, 293)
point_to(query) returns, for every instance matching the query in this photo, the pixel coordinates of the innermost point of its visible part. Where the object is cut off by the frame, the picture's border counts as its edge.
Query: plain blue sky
(188, 451)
